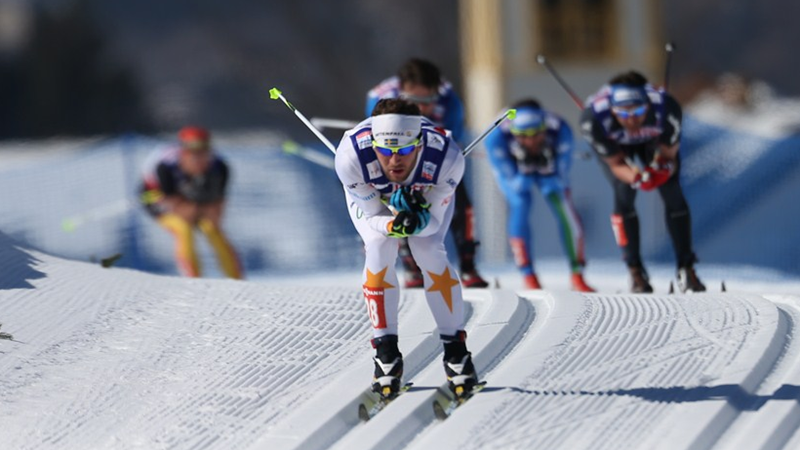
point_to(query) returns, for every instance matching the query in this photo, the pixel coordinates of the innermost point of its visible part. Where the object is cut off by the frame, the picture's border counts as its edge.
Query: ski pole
(275, 94)
(543, 61)
(510, 114)
(336, 124)
(102, 212)
(670, 47)
(293, 148)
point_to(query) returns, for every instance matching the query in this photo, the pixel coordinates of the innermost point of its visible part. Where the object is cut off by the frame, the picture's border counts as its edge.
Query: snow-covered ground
(119, 359)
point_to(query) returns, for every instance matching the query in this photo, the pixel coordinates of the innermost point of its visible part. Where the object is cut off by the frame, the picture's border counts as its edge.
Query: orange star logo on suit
(444, 284)
(376, 280)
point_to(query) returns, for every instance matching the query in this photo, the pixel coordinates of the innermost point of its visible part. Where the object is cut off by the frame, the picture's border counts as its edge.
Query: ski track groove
(250, 390)
(709, 336)
(775, 423)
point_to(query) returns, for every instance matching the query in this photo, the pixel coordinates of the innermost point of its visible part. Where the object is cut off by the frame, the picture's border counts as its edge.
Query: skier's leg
(185, 253)
(442, 287)
(226, 255)
(520, 203)
(458, 365)
(678, 218)
(625, 224)
(379, 279)
(679, 224)
(382, 297)
(463, 229)
(569, 226)
(445, 299)
(571, 231)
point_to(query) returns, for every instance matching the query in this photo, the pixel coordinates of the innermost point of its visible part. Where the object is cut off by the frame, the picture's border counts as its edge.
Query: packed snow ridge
(114, 358)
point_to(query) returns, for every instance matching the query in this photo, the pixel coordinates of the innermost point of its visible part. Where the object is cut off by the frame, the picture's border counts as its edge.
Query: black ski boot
(388, 366)
(688, 280)
(640, 281)
(458, 364)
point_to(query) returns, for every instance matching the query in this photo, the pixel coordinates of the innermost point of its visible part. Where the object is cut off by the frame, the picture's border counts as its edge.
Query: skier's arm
(594, 134)
(564, 147)
(366, 197)
(669, 141)
(621, 169)
(504, 165)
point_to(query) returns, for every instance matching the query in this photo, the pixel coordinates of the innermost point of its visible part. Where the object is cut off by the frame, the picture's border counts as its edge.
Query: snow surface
(120, 359)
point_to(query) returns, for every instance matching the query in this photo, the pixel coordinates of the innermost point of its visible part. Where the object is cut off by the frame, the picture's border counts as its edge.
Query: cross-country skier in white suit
(399, 174)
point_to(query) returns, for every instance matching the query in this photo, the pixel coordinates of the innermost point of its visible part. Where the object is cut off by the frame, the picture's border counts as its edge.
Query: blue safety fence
(286, 214)
(79, 201)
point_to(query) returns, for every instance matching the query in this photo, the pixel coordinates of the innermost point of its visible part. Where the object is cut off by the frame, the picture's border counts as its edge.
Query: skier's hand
(659, 176)
(661, 169)
(406, 199)
(644, 180)
(518, 183)
(185, 209)
(407, 223)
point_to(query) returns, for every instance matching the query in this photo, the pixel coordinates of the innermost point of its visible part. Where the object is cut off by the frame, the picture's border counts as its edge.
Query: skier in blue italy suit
(535, 150)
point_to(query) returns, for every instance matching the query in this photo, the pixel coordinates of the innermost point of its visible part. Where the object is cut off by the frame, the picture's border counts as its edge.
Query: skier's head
(419, 84)
(194, 138)
(528, 127)
(195, 149)
(396, 134)
(628, 99)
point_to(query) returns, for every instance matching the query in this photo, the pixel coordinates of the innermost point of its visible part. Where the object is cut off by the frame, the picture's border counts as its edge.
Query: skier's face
(531, 143)
(630, 117)
(398, 167)
(195, 162)
(424, 97)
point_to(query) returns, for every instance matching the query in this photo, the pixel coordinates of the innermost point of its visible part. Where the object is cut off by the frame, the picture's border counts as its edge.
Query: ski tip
(438, 411)
(363, 414)
(540, 59)
(111, 260)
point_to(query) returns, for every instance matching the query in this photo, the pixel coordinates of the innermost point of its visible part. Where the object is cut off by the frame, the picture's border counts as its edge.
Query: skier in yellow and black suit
(183, 189)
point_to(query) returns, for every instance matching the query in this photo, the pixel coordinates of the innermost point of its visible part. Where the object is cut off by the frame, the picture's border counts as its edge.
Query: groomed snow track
(591, 371)
(120, 359)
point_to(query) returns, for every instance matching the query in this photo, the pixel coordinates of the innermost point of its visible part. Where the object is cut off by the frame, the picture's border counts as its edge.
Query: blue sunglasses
(626, 113)
(388, 150)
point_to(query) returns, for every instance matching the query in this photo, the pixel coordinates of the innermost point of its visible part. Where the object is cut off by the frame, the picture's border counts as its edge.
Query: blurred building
(15, 26)
(586, 41)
